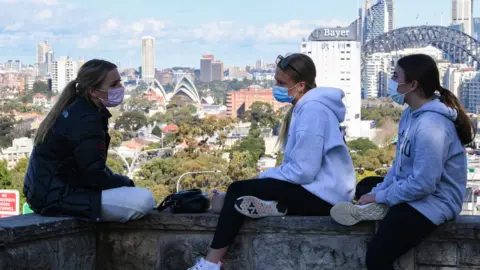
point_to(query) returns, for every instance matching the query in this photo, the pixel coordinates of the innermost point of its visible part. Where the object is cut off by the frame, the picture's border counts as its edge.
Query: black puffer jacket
(67, 173)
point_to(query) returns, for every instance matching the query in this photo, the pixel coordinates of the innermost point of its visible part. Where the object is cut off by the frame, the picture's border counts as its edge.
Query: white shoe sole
(253, 207)
(349, 214)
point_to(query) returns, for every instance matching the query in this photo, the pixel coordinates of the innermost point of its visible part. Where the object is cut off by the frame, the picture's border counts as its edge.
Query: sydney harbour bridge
(456, 45)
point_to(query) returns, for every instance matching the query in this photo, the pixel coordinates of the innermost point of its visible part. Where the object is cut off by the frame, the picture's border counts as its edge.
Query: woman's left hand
(366, 199)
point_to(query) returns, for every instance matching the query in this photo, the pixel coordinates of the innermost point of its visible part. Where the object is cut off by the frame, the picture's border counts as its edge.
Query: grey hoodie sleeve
(431, 146)
(387, 180)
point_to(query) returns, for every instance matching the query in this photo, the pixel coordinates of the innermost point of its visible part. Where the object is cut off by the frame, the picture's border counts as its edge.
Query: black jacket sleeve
(91, 155)
(122, 178)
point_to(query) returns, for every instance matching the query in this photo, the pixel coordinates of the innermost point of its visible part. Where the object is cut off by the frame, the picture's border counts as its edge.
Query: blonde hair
(91, 75)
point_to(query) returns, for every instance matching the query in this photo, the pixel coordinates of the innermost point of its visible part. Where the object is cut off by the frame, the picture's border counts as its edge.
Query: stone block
(66, 252)
(469, 253)
(437, 253)
(443, 268)
(302, 252)
(407, 261)
(164, 251)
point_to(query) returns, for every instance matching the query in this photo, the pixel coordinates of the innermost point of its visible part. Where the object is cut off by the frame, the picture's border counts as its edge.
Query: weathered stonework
(166, 241)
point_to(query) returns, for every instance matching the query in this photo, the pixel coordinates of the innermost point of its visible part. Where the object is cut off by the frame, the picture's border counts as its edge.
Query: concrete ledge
(167, 241)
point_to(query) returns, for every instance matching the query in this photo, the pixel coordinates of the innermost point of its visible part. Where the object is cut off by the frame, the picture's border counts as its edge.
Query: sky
(237, 32)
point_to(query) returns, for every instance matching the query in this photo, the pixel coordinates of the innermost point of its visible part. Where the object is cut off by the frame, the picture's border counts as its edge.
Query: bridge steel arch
(460, 47)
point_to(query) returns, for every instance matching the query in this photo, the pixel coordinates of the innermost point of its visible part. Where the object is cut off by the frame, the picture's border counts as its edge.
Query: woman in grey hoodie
(317, 170)
(426, 184)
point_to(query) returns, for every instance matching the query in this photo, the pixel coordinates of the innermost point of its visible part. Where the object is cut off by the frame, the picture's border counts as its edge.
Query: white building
(464, 82)
(375, 65)
(337, 57)
(21, 148)
(64, 70)
(379, 67)
(462, 13)
(49, 58)
(148, 58)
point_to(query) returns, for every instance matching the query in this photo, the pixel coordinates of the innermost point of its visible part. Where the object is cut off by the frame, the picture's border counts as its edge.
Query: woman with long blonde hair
(67, 173)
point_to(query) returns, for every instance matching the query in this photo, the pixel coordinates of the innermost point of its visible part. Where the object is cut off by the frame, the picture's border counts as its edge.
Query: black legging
(294, 197)
(402, 229)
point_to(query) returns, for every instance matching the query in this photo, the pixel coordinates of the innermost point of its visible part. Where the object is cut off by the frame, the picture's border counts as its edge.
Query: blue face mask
(393, 92)
(281, 94)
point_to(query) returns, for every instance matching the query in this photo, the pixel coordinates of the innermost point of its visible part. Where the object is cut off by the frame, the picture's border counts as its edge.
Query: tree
(380, 114)
(240, 166)
(131, 121)
(253, 145)
(157, 131)
(18, 174)
(261, 114)
(21, 129)
(387, 132)
(140, 103)
(361, 145)
(116, 137)
(142, 87)
(116, 164)
(5, 176)
(222, 139)
(6, 128)
(41, 87)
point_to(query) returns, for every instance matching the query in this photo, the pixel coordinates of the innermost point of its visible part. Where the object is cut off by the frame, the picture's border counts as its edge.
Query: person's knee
(148, 201)
(143, 200)
(235, 187)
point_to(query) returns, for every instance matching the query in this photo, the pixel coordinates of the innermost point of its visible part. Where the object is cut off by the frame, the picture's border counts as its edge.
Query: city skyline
(114, 32)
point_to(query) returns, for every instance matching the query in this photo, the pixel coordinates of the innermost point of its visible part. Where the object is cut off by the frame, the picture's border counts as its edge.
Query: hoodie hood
(439, 107)
(330, 97)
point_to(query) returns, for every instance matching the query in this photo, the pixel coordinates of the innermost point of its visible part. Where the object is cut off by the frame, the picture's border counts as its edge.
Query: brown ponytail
(68, 93)
(465, 129)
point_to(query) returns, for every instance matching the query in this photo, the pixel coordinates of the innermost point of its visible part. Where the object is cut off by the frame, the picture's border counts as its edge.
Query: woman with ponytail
(67, 173)
(317, 171)
(426, 185)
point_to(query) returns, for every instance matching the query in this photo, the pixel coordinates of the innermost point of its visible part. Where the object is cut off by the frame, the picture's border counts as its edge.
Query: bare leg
(216, 255)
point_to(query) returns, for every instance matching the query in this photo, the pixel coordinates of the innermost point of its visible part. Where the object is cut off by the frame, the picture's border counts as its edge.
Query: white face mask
(393, 92)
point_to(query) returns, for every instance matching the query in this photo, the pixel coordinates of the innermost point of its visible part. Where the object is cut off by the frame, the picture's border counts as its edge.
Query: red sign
(9, 203)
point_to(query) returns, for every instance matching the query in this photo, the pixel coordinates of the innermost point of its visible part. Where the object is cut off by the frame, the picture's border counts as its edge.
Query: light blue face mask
(281, 94)
(393, 92)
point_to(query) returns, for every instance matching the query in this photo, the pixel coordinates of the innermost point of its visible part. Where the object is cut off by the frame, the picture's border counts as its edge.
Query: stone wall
(166, 241)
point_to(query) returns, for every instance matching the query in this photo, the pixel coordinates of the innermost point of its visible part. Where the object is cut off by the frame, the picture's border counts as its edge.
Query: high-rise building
(49, 58)
(476, 28)
(462, 13)
(148, 58)
(206, 68)
(336, 53)
(391, 14)
(377, 19)
(64, 70)
(42, 49)
(217, 71)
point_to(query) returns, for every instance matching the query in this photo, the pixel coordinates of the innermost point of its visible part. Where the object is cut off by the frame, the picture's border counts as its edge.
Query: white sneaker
(202, 264)
(253, 207)
(349, 214)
